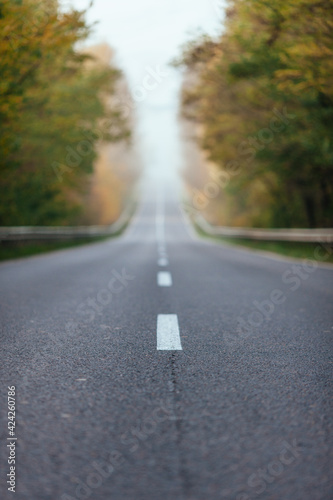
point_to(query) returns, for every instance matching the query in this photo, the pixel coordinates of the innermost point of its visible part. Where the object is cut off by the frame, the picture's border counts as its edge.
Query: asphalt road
(211, 380)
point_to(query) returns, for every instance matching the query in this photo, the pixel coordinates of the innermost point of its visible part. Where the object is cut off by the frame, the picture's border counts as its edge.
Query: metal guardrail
(31, 233)
(295, 235)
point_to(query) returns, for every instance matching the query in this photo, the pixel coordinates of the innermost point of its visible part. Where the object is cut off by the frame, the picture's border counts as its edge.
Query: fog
(146, 35)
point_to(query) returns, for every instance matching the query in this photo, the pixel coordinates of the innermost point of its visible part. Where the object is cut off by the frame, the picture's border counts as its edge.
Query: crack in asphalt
(183, 473)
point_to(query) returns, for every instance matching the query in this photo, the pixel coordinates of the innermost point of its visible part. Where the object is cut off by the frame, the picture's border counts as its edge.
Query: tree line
(261, 96)
(54, 111)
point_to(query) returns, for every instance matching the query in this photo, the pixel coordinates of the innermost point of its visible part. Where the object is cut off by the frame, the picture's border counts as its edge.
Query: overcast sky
(146, 35)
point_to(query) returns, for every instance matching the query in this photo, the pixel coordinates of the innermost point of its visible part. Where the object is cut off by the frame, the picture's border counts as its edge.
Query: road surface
(161, 366)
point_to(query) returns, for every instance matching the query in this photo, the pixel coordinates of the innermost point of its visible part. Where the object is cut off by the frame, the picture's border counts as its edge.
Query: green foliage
(52, 101)
(263, 94)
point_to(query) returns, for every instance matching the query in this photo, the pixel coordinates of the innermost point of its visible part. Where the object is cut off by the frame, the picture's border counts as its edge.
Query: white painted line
(163, 261)
(164, 278)
(168, 338)
(160, 227)
(160, 235)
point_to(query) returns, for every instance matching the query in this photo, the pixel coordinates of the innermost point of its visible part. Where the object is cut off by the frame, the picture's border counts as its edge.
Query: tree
(51, 106)
(263, 64)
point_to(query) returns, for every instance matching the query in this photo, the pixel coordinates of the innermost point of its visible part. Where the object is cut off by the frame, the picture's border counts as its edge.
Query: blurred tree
(53, 112)
(263, 94)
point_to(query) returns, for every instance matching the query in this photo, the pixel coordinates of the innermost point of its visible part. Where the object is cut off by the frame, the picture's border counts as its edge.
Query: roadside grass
(17, 249)
(296, 250)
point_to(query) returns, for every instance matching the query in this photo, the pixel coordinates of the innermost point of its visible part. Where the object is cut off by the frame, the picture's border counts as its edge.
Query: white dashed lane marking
(159, 220)
(164, 278)
(168, 338)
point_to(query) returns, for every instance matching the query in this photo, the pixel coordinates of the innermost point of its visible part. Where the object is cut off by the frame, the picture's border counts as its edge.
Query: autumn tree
(52, 112)
(264, 98)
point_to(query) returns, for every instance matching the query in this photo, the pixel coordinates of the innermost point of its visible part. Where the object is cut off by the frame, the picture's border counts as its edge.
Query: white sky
(146, 34)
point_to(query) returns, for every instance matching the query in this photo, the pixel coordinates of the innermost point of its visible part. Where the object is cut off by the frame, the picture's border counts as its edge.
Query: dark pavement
(243, 411)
